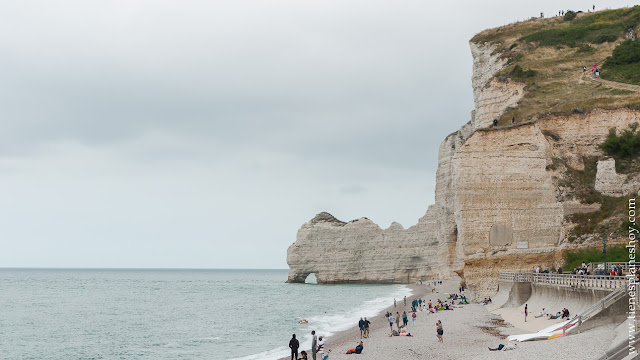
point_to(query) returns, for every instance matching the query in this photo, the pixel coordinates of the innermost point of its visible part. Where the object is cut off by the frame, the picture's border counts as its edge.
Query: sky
(203, 134)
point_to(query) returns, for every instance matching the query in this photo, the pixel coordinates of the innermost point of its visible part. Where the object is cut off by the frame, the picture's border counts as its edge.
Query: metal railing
(579, 281)
(594, 309)
(609, 265)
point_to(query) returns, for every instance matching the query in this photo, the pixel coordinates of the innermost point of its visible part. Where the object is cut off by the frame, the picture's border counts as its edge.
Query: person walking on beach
(394, 302)
(366, 327)
(405, 301)
(391, 322)
(405, 320)
(413, 318)
(361, 326)
(439, 331)
(294, 345)
(526, 312)
(398, 320)
(314, 345)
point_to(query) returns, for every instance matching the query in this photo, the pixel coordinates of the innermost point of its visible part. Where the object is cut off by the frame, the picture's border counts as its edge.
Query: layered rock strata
(499, 204)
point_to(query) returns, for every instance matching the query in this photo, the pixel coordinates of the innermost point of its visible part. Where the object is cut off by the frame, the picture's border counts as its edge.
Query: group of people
(363, 324)
(317, 347)
(564, 314)
(595, 71)
(487, 301)
(632, 34)
(404, 317)
(538, 270)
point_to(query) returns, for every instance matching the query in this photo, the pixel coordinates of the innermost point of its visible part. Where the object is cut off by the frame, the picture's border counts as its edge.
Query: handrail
(580, 281)
(594, 309)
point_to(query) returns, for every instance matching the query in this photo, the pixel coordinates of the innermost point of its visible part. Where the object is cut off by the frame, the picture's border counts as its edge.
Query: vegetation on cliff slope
(549, 54)
(608, 219)
(575, 258)
(624, 64)
(624, 148)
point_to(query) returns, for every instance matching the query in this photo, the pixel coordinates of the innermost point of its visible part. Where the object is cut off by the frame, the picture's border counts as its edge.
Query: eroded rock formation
(500, 201)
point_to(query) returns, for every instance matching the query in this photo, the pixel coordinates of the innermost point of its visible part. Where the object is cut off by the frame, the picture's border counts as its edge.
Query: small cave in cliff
(311, 279)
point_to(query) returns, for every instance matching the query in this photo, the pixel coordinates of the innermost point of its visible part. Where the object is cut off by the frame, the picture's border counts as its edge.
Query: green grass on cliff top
(548, 55)
(574, 258)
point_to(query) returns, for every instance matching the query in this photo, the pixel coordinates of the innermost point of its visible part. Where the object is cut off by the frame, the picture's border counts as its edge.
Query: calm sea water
(172, 314)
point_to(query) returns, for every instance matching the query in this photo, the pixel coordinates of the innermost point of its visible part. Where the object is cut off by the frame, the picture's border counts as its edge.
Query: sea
(173, 314)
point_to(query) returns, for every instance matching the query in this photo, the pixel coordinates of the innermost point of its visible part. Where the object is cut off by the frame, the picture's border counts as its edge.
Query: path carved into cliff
(613, 84)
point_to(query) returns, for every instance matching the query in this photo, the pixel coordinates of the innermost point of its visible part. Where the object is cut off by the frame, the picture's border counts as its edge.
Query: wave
(328, 324)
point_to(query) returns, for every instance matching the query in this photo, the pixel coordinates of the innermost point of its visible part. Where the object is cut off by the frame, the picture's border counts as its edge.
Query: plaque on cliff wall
(500, 235)
(522, 245)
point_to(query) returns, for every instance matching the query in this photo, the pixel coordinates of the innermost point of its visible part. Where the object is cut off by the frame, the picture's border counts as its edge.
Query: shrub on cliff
(623, 146)
(569, 15)
(627, 52)
(606, 26)
(518, 73)
(574, 258)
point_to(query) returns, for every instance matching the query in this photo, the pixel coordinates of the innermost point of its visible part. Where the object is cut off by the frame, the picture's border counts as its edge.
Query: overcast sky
(202, 134)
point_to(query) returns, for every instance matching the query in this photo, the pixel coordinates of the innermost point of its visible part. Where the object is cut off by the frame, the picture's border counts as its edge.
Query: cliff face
(503, 197)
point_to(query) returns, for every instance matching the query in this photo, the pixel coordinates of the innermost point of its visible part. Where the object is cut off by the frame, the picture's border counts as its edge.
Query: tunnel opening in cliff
(311, 279)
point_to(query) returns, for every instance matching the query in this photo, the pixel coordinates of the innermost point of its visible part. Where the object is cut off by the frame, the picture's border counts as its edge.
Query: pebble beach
(468, 332)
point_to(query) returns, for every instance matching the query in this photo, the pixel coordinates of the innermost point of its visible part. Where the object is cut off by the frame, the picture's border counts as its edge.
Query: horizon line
(126, 268)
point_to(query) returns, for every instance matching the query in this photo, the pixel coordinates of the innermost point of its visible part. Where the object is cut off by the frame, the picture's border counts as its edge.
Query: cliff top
(548, 54)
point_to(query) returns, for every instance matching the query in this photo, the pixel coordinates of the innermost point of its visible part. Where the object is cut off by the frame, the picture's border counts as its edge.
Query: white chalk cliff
(499, 202)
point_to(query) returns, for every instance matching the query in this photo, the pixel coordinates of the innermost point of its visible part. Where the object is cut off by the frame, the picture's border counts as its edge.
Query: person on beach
(394, 302)
(294, 345)
(405, 301)
(413, 318)
(320, 349)
(314, 345)
(366, 327)
(357, 350)
(439, 331)
(542, 313)
(391, 322)
(303, 355)
(405, 320)
(504, 348)
(361, 326)
(398, 320)
(526, 312)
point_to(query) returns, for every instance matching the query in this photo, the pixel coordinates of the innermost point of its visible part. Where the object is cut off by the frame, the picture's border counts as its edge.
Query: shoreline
(468, 332)
(379, 323)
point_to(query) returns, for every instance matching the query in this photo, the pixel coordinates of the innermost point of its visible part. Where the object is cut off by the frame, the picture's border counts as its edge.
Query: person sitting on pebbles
(357, 350)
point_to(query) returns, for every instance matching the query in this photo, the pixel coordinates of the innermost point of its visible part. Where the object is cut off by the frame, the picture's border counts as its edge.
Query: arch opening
(311, 279)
